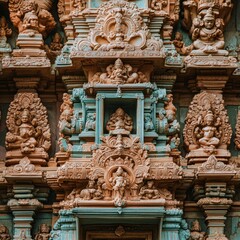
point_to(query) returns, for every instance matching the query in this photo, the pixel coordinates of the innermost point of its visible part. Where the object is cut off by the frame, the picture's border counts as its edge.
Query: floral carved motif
(28, 130)
(237, 137)
(207, 124)
(119, 26)
(213, 165)
(119, 73)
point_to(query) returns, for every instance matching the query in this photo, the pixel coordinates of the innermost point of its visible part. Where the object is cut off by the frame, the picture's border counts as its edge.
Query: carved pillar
(23, 219)
(171, 224)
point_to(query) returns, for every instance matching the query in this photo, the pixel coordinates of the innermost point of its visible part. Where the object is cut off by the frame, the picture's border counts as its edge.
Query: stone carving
(22, 12)
(196, 233)
(165, 170)
(120, 231)
(214, 201)
(212, 165)
(207, 125)
(237, 137)
(119, 73)
(24, 167)
(207, 36)
(5, 32)
(173, 125)
(66, 128)
(148, 123)
(180, 46)
(119, 121)
(149, 191)
(184, 232)
(28, 130)
(117, 170)
(44, 232)
(119, 27)
(4, 234)
(158, 6)
(24, 202)
(54, 49)
(90, 122)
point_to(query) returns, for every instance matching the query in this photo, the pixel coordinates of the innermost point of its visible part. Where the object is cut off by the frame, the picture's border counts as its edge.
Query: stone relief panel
(28, 130)
(207, 130)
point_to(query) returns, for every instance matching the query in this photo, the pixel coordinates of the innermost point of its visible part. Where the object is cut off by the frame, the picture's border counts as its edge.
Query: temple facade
(119, 119)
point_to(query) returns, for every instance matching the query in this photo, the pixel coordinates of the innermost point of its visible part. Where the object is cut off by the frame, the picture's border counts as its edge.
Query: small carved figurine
(120, 120)
(4, 234)
(209, 142)
(90, 122)
(158, 6)
(196, 233)
(207, 36)
(148, 123)
(4, 33)
(30, 24)
(56, 44)
(91, 192)
(149, 191)
(180, 46)
(44, 232)
(119, 183)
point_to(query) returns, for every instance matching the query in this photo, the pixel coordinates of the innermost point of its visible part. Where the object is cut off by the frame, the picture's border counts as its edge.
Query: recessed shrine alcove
(128, 105)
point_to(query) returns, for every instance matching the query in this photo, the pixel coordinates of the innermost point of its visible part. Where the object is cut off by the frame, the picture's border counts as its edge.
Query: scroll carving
(28, 130)
(119, 73)
(207, 124)
(119, 26)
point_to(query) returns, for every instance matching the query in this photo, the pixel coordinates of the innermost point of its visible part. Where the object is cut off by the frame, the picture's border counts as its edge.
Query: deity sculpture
(207, 35)
(179, 44)
(149, 191)
(28, 130)
(119, 183)
(4, 33)
(30, 23)
(56, 44)
(208, 141)
(25, 139)
(119, 73)
(120, 121)
(90, 122)
(44, 232)
(158, 6)
(91, 192)
(80, 4)
(148, 123)
(196, 233)
(4, 234)
(66, 128)
(18, 10)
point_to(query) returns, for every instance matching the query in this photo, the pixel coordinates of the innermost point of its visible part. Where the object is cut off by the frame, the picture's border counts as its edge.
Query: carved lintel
(212, 83)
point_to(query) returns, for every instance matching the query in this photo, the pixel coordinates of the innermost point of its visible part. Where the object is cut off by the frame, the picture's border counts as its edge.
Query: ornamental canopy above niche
(117, 29)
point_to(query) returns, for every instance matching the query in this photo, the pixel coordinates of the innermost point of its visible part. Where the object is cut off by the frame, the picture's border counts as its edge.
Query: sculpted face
(209, 23)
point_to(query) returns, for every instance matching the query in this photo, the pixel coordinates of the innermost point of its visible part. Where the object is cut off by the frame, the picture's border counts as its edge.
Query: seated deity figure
(207, 38)
(196, 233)
(44, 232)
(149, 191)
(4, 234)
(120, 120)
(25, 139)
(209, 141)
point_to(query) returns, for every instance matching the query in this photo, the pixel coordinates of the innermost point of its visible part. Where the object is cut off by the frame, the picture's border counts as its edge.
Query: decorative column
(171, 224)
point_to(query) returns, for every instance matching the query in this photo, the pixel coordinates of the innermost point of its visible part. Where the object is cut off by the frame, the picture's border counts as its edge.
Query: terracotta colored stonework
(119, 119)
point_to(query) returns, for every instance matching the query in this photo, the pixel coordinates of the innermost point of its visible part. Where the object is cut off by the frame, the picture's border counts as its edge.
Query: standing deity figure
(207, 36)
(44, 232)
(119, 183)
